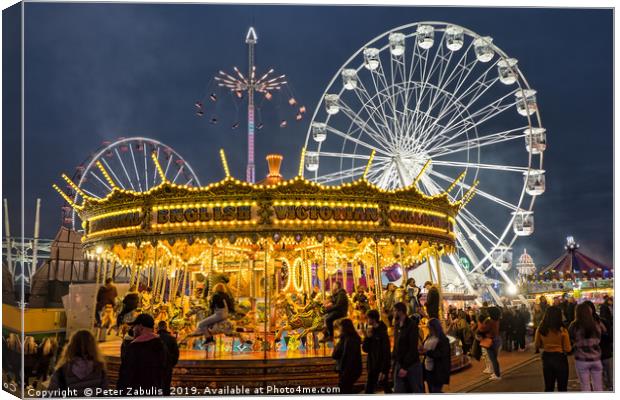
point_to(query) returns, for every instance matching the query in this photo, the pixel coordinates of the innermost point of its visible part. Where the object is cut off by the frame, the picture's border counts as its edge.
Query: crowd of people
(406, 341)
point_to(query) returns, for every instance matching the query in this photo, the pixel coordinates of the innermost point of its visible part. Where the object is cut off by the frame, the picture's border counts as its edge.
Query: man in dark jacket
(172, 353)
(131, 301)
(143, 365)
(338, 309)
(432, 300)
(407, 367)
(106, 295)
(376, 344)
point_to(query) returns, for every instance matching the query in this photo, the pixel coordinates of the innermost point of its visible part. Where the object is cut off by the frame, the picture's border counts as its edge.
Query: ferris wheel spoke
(146, 169)
(381, 107)
(170, 157)
(352, 156)
(91, 194)
(495, 167)
(465, 216)
(477, 88)
(379, 148)
(481, 141)
(478, 191)
(484, 114)
(105, 162)
(120, 160)
(341, 175)
(365, 128)
(135, 167)
(381, 124)
(101, 181)
(178, 173)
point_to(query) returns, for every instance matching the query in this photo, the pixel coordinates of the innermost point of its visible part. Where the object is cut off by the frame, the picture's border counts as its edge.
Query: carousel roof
(574, 261)
(275, 207)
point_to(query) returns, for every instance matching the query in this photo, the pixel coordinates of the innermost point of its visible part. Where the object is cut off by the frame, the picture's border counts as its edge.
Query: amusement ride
(416, 123)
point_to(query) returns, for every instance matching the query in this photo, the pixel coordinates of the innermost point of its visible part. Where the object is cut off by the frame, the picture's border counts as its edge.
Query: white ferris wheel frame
(532, 122)
(113, 146)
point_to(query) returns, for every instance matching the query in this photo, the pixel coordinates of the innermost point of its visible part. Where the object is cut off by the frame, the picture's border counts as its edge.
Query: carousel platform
(307, 369)
(313, 368)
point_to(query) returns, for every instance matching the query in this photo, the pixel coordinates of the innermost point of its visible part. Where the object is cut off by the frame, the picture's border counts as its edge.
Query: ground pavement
(470, 378)
(521, 372)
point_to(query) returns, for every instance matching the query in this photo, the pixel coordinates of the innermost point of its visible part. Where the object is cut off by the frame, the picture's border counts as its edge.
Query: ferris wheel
(440, 92)
(128, 162)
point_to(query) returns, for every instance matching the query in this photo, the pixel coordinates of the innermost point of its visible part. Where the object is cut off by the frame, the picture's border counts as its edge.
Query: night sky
(96, 72)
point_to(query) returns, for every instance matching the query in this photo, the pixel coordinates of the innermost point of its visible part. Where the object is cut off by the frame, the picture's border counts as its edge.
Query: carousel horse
(146, 301)
(309, 319)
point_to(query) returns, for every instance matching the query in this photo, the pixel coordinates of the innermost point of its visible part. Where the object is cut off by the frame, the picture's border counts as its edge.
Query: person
(522, 318)
(569, 314)
(131, 301)
(376, 344)
(464, 332)
(491, 340)
(506, 327)
(607, 345)
(585, 334)
(408, 376)
(543, 303)
(220, 306)
(432, 300)
(106, 295)
(436, 357)
(413, 297)
(348, 356)
(360, 300)
(80, 367)
(537, 315)
(552, 338)
(143, 367)
(172, 354)
(389, 299)
(338, 308)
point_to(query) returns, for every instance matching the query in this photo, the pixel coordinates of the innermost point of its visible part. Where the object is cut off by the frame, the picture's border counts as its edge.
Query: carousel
(276, 246)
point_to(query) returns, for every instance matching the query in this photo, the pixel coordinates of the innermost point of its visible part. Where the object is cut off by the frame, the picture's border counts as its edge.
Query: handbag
(486, 342)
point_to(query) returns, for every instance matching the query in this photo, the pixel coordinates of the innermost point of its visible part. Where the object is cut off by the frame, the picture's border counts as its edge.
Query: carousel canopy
(275, 208)
(574, 262)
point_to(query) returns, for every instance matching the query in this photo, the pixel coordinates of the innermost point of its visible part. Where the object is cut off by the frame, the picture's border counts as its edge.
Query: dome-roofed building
(525, 266)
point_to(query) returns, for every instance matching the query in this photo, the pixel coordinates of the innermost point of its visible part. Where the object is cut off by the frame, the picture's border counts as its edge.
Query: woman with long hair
(607, 345)
(585, 333)
(488, 331)
(348, 355)
(552, 338)
(80, 366)
(220, 305)
(436, 357)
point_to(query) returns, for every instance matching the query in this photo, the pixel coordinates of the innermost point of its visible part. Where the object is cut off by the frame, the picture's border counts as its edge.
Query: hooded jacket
(79, 374)
(377, 347)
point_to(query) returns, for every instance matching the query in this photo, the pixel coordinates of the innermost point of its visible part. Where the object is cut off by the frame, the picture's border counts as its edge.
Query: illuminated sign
(110, 221)
(326, 213)
(203, 214)
(420, 218)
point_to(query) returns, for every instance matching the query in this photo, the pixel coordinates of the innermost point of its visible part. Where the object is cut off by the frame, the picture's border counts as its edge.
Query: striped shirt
(586, 349)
